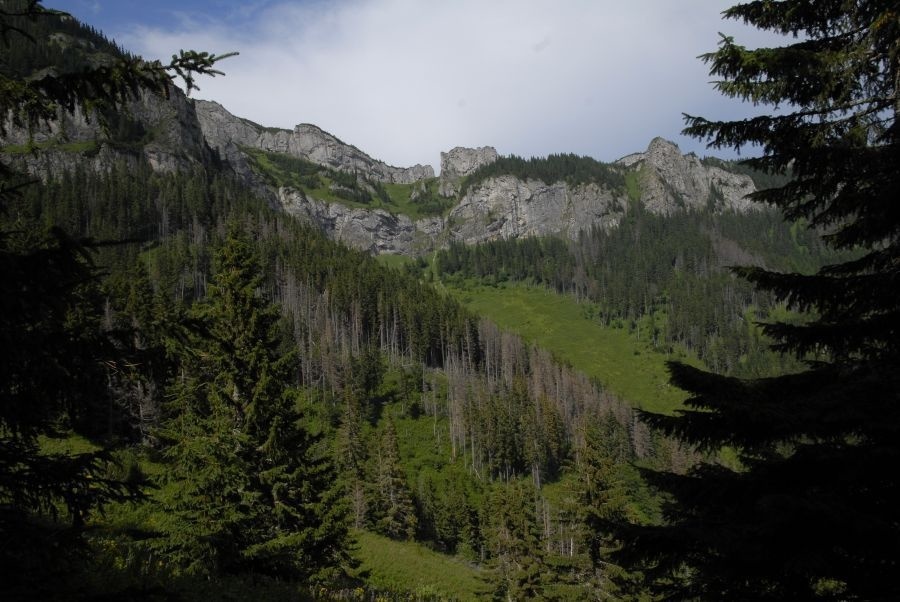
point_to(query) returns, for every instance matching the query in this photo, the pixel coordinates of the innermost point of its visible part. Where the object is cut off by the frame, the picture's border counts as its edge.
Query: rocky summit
(228, 134)
(670, 181)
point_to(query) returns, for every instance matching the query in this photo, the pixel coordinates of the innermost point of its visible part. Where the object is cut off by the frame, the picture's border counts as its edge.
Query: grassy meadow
(622, 361)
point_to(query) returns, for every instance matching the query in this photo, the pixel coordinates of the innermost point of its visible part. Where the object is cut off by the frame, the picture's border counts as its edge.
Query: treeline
(761, 180)
(65, 44)
(570, 168)
(665, 275)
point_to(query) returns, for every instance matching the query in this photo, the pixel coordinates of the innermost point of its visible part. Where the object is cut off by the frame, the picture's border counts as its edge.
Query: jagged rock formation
(506, 207)
(501, 207)
(167, 135)
(372, 230)
(227, 133)
(671, 181)
(180, 132)
(460, 162)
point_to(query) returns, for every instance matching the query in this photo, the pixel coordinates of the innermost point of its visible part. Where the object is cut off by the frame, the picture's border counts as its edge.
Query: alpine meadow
(243, 362)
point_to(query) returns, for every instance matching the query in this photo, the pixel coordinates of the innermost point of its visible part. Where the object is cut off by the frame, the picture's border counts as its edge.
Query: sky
(404, 80)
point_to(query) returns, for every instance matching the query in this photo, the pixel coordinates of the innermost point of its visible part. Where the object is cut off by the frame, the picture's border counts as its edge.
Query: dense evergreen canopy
(812, 510)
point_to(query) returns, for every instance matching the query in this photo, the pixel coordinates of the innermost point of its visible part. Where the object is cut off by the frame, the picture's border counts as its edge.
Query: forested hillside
(251, 394)
(203, 396)
(666, 274)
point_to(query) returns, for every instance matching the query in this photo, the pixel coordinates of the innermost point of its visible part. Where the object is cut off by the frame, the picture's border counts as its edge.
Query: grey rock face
(506, 207)
(226, 133)
(501, 207)
(671, 181)
(173, 140)
(460, 162)
(182, 133)
(372, 230)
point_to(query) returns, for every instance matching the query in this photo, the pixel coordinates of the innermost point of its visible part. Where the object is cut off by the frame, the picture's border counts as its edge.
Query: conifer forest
(204, 396)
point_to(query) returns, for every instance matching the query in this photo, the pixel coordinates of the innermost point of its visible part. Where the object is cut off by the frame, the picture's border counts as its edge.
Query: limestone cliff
(372, 230)
(177, 133)
(460, 162)
(164, 132)
(506, 207)
(227, 133)
(670, 181)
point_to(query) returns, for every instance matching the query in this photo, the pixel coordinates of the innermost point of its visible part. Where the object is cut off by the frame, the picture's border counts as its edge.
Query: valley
(243, 361)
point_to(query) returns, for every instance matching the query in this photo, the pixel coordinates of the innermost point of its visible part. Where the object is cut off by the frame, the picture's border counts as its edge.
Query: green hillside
(405, 568)
(416, 200)
(624, 362)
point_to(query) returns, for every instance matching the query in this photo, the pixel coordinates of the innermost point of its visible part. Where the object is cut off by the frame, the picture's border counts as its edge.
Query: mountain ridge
(178, 132)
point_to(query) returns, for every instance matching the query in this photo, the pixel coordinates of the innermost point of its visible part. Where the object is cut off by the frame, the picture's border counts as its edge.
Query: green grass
(624, 364)
(69, 444)
(410, 567)
(633, 185)
(428, 204)
(393, 261)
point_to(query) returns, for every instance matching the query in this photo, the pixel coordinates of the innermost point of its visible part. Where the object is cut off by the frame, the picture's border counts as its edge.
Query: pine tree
(250, 488)
(396, 511)
(812, 511)
(514, 540)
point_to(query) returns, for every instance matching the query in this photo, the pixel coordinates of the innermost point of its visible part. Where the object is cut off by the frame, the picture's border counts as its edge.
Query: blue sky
(117, 16)
(404, 80)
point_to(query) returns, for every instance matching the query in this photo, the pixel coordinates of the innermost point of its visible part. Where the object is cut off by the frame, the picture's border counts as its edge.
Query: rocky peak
(460, 162)
(226, 132)
(671, 181)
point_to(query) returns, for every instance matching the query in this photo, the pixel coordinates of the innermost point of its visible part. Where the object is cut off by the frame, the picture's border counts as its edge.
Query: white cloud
(405, 79)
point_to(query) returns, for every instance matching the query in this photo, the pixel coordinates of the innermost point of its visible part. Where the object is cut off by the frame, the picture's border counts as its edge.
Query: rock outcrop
(373, 230)
(178, 133)
(166, 134)
(501, 207)
(507, 207)
(460, 162)
(227, 133)
(671, 182)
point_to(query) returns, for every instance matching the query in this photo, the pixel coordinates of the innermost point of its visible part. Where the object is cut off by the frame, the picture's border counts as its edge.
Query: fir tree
(514, 540)
(396, 511)
(812, 511)
(250, 488)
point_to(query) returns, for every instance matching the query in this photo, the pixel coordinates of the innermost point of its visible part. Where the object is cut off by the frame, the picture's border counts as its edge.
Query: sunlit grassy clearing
(411, 567)
(628, 367)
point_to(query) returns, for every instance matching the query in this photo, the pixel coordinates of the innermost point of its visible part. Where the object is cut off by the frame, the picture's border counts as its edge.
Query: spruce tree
(351, 457)
(812, 510)
(513, 537)
(396, 511)
(249, 487)
(603, 497)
